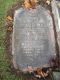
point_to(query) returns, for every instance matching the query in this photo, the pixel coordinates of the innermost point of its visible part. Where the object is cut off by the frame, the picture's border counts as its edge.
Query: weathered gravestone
(33, 42)
(56, 75)
(56, 12)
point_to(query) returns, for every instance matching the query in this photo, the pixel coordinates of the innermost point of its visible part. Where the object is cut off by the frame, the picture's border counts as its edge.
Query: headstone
(56, 75)
(33, 42)
(56, 12)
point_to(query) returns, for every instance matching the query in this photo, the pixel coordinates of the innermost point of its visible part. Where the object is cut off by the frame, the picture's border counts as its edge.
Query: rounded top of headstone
(33, 37)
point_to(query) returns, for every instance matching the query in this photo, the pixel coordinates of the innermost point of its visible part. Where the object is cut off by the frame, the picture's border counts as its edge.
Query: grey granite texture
(33, 42)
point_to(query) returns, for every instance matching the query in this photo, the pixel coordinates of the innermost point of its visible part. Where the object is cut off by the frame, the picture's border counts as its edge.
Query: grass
(4, 66)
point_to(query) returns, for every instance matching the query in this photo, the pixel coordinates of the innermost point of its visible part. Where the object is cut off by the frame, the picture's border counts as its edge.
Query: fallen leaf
(27, 5)
(48, 2)
(9, 29)
(30, 69)
(9, 18)
(30, 4)
(40, 73)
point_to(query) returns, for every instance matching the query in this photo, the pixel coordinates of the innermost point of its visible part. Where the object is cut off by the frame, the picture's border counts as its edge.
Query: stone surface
(59, 27)
(56, 75)
(56, 12)
(33, 42)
